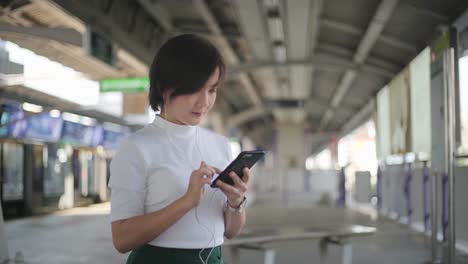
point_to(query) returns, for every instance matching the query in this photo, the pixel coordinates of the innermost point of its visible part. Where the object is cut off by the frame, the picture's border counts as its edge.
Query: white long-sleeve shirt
(152, 168)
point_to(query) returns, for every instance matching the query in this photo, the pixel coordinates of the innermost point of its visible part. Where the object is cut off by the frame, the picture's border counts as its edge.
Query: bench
(256, 239)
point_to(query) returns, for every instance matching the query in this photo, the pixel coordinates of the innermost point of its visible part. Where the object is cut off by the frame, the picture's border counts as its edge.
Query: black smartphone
(244, 159)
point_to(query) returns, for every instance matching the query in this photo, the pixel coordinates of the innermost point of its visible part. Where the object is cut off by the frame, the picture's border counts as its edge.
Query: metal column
(434, 218)
(443, 99)
(449, 112)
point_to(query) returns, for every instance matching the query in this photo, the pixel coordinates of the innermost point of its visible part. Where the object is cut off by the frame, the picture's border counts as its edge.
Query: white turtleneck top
(151, 169)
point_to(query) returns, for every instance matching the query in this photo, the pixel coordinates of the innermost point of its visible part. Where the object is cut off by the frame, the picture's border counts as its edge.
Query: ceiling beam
(350, 29)
(315, 20)
(252, 20)
(104, 24)
(68, 55)
(20, 93)
(62, 35)
(320, 61)
(302, 26)
(159, 13)
(317, 8)
(229, 55)
(424, 11)
(235, 121)
(253, 27)
(376, 26)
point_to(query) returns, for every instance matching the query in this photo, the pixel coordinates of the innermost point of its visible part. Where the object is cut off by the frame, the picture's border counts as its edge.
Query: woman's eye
(213, 90)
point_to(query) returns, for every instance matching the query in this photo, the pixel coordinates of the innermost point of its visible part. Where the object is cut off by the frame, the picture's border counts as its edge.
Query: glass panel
(84, 173)
(38, 169)
(13, 156)
(463, 102)
(91, 175)
(53, 178)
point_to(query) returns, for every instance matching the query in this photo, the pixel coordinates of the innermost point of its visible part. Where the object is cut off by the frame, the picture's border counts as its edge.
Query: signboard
(12, 121)
(98, 134)
(101, 48)
(124, 85)
(44, 127)
(76, 133)
(112, 138)
(136, 104)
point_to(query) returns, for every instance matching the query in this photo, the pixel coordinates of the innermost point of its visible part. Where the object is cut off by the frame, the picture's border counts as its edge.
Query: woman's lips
(197, 114)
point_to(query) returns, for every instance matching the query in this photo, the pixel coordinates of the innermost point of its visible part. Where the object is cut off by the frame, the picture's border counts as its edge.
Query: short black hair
(182, 66)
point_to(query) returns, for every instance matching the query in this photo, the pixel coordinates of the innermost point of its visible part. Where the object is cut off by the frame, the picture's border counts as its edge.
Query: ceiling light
(280, 53)
(275, 27)
(71, 117)
(271, 4)
(54, 113)
(32, 108)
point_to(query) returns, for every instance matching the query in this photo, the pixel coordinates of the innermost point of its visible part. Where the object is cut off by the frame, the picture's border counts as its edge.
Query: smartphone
(243, 160)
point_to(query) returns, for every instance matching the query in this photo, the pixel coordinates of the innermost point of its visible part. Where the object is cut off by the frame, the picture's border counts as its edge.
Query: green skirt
(155, 255)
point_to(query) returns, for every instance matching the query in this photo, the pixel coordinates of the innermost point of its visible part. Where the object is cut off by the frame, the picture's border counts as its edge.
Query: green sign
(124, 85)
(441, 44)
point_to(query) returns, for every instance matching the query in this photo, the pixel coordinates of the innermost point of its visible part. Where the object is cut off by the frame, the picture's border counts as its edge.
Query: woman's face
(192, 108)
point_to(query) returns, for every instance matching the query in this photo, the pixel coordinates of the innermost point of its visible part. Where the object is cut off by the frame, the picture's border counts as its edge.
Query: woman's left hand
(235, 193)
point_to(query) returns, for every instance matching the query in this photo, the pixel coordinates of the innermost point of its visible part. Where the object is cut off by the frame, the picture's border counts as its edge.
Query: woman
(162, 207)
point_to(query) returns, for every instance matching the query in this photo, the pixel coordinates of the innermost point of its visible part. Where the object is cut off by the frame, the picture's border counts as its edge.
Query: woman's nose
(203, 99)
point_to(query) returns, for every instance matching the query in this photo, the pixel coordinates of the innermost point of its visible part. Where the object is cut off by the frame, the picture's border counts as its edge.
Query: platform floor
(82, 235)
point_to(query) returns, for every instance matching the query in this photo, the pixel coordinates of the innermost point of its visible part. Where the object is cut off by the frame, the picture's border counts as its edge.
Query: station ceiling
(313, 62)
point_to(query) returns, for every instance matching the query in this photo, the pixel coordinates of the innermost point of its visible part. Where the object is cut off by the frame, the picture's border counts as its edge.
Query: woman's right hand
(198, 179)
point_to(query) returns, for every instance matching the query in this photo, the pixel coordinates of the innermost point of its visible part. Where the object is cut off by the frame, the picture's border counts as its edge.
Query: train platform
(82, 235)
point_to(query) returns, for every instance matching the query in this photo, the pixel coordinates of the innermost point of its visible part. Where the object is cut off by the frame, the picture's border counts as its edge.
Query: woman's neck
(169, 118)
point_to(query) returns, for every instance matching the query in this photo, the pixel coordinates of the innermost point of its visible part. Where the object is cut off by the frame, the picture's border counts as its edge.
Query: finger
(212, 170)
(203, 181)
(218, 171)
(206, 181)
(205, 165)
(246, 176)
(206, 171)
(228, 189)
(238, 183)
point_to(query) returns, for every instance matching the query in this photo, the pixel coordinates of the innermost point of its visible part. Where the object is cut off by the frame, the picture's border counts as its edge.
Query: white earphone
(164, 116)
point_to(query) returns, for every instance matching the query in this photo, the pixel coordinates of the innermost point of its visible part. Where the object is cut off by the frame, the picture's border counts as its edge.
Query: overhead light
(87, 121)
(54, 113)
(84, 120)
(394, 159)
(32, 108)
(111, 126)
(71, 117)
(271, 4)
(275, 27)
(280, 53)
